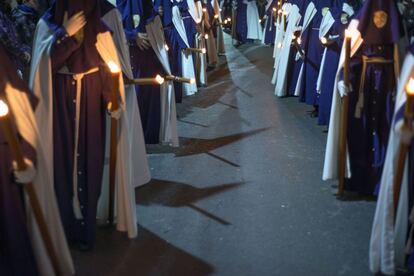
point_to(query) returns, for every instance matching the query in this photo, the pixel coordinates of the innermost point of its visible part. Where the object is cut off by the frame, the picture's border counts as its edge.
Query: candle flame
(203, 50)
(206, 36)
(166, 47)
(204, 10)
(293, 37)
(225, 21)
(216, 16)
(274, 9)
(299, 41)
(260, 21)
(324, 40)
(410, 87)
(229, 19)
(159, 79)
(192, 81)
(114, 67)
(279, 45)
(4, 109)
(348, 33)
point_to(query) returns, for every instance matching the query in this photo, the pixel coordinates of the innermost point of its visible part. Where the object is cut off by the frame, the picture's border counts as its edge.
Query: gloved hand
(26, 176)
(115, 114)
(343, 90)
(143, 42)
(406, 134)
(74, 24)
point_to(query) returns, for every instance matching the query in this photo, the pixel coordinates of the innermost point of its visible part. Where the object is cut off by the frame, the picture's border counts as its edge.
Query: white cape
(196, 12)
(309, 15)
(330, 169)
(254, 29)
(282, 65)
(387, 246)
(168, 128)
(187, 58)
(220, 36)
(41, 84)
(141, 173)
(43, 184)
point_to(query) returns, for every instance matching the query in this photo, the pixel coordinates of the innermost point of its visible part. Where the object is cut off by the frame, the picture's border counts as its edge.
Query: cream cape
(41, 84)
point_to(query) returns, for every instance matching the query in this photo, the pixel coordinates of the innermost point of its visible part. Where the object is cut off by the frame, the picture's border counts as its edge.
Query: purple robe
(144, 64)
(314, 52)
(270, 28)
(175, 44)
(68, 58)
(241, 21)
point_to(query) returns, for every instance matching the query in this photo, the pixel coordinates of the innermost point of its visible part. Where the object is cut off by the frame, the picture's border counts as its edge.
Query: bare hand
(143, 42)
(75, 23)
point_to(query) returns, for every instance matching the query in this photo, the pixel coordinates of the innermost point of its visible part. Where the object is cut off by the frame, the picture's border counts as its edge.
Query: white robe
(43, 185)
(387, 245)
(254, 29)
(41, 84)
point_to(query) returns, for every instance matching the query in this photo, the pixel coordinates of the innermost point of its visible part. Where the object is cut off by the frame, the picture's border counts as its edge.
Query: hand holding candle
(158, 80)
(11, 138)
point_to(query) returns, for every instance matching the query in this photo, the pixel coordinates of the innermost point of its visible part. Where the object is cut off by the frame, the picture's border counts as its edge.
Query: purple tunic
(241, 21)
(270, 28)
(371, 107)
(96, 91)
(16, 253)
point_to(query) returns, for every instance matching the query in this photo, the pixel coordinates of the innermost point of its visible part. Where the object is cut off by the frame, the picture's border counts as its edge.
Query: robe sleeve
(15, 47)
(63, 46)
(107, 81)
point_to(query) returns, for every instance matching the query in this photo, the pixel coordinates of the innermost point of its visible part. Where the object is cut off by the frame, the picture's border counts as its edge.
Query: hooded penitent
(374, 66)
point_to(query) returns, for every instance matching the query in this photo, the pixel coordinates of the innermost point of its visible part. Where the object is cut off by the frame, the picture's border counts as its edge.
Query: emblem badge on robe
(136, 19)
(380, 19)
(344, 18)
(325, 11)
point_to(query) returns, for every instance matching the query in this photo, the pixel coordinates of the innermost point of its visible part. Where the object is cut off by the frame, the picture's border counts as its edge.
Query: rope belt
(78, 79)
(365, 61)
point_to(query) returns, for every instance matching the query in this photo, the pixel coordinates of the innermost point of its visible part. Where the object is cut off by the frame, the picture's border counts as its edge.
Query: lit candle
(196, 50)
(206, 36)
(113, 105)
(324, 40)
(179, 79)
(348, 38)
(146, 81)
(166, 47)
(344, 116)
